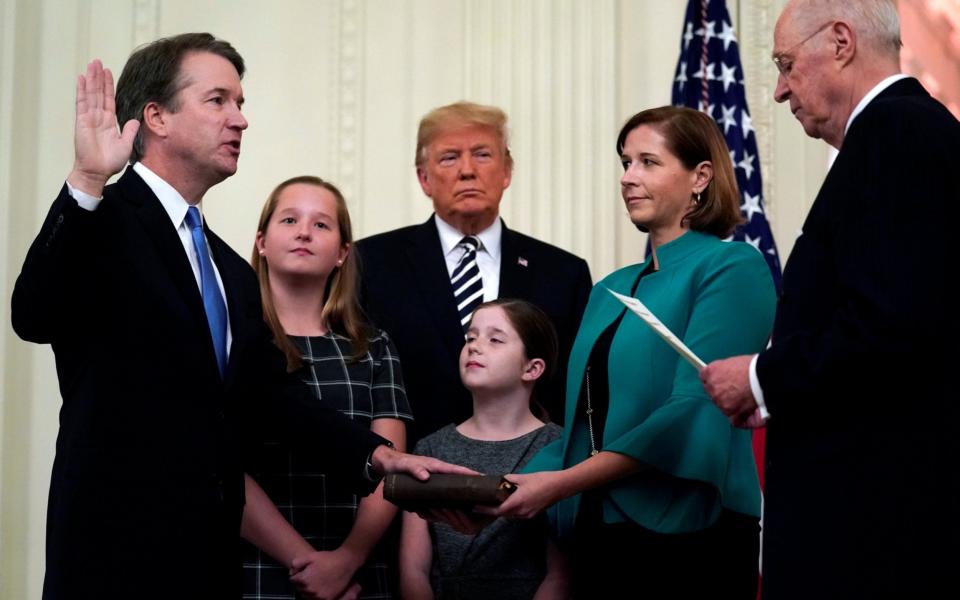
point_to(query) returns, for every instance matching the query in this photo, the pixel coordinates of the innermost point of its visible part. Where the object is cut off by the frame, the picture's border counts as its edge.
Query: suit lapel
(160, 231)
(515, 268)
(429, 269)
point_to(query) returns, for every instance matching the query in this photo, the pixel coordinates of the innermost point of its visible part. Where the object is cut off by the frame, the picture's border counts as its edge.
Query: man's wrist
(756, 390)
(370, 470)
(83, 199)
(87, 183)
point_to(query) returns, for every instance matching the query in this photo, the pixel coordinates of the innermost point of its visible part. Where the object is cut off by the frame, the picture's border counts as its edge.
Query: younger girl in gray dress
(511, 346)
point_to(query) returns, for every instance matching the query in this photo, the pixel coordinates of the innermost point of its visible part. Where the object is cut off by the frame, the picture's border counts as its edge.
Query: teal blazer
(718, 297)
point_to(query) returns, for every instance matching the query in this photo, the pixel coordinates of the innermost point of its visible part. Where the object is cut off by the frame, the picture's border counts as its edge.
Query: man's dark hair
(152, 74)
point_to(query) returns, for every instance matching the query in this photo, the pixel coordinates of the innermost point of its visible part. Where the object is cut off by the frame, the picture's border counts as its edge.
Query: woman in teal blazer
(647, 462)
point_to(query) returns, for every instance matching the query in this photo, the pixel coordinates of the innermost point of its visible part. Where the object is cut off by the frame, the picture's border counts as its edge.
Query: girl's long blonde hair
(341, 311)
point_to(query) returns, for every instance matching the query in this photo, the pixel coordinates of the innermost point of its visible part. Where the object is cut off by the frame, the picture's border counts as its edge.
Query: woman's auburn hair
(693, 137)
(341, 310)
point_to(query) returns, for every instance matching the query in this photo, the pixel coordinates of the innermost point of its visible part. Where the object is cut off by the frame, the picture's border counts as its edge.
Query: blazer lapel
(160, 231)
(429, 270)
(515, 268)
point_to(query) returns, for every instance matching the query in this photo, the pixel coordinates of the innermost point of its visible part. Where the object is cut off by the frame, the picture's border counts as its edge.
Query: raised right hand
(99, 149)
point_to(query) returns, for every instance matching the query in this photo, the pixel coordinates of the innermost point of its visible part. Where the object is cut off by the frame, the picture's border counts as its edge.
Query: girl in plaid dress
(510, 348)
(308, 278)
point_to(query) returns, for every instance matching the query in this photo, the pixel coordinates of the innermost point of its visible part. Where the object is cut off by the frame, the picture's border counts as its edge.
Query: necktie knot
(471, 243)
(193, 218)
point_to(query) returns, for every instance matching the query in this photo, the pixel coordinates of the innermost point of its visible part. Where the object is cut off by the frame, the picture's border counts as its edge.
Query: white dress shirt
(488, 256)
(176, 207)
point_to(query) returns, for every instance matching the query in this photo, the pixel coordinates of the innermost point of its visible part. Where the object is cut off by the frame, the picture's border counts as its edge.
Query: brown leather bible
(444, 490)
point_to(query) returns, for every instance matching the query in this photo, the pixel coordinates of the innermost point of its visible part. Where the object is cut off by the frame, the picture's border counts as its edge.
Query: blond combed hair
(341, 311)
(457, 116)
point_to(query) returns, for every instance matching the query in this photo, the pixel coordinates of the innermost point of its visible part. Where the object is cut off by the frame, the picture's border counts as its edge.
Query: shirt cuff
(84, 200)
(370, 473)
(757, 390)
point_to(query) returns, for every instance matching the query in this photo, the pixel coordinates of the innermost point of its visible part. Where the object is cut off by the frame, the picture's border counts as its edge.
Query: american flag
(709, 78)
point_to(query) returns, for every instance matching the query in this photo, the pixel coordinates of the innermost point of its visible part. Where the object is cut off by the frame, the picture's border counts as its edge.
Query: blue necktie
(212, 298)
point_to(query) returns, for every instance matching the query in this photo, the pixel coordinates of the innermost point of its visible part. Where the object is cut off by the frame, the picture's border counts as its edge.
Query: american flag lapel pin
(521, 261)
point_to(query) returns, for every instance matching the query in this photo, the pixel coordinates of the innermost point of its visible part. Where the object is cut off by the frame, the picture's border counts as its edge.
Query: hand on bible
(534, 493)
(387, 460)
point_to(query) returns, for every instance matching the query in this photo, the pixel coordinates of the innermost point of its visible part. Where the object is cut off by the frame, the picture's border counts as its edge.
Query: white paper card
(648, 317)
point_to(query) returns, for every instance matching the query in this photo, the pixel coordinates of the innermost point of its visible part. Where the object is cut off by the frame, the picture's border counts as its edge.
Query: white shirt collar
(489, 237)
(870, 96)
(171, 200)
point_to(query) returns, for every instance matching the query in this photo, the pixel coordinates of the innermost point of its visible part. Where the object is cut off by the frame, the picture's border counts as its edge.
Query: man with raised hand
(165, 366)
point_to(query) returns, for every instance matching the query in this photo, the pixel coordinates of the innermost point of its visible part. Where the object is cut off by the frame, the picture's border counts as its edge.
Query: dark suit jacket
(407, 292)
(862, 467)
(147, 490)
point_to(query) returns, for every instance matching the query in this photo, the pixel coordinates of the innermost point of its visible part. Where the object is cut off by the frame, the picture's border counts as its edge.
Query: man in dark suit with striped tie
(420, 283)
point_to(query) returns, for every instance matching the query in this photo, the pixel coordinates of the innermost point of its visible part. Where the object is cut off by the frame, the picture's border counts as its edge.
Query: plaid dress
(317, 505)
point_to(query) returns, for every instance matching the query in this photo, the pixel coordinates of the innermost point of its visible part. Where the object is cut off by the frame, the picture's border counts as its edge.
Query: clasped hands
(324, 575)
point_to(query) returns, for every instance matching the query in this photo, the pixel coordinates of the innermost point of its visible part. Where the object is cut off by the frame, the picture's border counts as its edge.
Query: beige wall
(336, 88)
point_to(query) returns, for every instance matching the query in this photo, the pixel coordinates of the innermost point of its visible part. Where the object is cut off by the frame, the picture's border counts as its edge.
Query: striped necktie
(213, 303)
(465, 280)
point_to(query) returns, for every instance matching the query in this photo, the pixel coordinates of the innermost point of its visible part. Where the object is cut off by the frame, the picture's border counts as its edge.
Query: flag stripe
(722, 96)
(697, 85)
